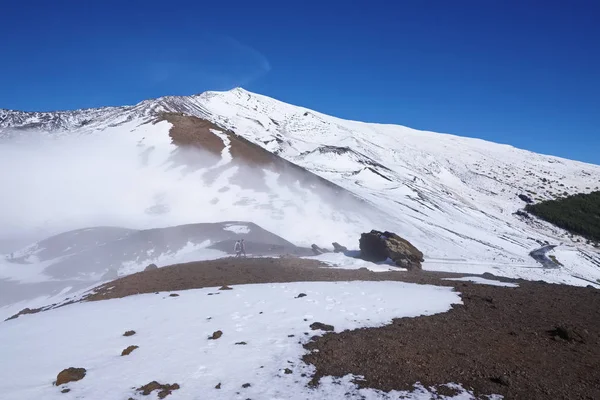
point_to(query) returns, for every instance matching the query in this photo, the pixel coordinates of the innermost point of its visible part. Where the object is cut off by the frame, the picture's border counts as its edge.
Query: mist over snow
(132, 176)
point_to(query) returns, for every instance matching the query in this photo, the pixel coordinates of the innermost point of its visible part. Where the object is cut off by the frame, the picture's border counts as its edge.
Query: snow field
(172, 335)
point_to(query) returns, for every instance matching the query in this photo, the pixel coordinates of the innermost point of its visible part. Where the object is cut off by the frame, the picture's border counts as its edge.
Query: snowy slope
(453, 197)
(258, 355)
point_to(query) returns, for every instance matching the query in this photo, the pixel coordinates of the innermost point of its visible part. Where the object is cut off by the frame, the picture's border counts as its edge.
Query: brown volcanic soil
(501, 341)
(193, 132)
(235, 271)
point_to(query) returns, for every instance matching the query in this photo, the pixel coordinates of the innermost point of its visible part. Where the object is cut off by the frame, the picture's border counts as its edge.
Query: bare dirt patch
(538, 341)
(231, 271)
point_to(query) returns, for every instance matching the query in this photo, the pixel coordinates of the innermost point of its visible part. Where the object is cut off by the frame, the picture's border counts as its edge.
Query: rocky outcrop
(378, 246)
(151, 267)
(317, 250)
(338, 248)
(525, 198)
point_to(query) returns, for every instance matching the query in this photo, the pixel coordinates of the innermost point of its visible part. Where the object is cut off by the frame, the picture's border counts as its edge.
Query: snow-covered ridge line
(455, 198)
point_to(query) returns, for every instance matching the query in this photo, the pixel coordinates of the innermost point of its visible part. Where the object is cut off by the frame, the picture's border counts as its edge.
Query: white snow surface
(482, 281)
(339, 260)
(238, 228)
(172, 335)
(453, 197)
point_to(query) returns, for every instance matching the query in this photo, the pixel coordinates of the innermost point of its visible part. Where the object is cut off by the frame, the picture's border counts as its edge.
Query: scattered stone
(164, 390)
(378, 246)
(566, 333)
(287, 371)
(225, 288)
(321, 326)
(246, 385)
(129, 333)
(301, 295)
(70, 375)
(151, 267)
(447, 391)
(241, 343)
(523, 214)
(173, 295)
(215, 335)
(501, 380)
(67, 390)
(338, 248)
(128, 350)
(218, 386)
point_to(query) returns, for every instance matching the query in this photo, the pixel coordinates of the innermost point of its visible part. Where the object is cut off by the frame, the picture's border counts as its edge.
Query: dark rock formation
(525, 198)
(151, 267)
(321, 326)
(378, 246)
(338, 248)
(317, 250)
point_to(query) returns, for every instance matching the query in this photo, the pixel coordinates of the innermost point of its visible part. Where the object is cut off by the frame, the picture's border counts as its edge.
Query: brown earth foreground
(537, 341)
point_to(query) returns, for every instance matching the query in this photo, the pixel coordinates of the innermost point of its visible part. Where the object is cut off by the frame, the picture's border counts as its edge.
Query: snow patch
(239, 229)
(342, 261)
(482, 281)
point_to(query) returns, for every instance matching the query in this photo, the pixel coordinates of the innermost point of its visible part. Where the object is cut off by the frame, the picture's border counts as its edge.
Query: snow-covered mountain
(453, 197)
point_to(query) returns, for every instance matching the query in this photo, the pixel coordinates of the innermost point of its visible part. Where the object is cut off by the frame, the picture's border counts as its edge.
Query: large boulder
(378, 246)
(70, 375)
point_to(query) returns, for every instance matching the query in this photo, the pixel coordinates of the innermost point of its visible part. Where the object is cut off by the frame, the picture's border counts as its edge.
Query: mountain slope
(454, 197)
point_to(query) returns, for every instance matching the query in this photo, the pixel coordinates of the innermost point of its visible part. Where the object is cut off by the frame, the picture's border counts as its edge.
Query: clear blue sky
(521, 72)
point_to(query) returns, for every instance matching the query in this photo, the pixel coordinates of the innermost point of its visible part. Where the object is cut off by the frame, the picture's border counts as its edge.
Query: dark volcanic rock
(501, 380)
(151, 267)
(319, 325)
(317, 250)
(566, 333)
(378, 246)
(525, 198)
(338, 248)
(70, 375)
